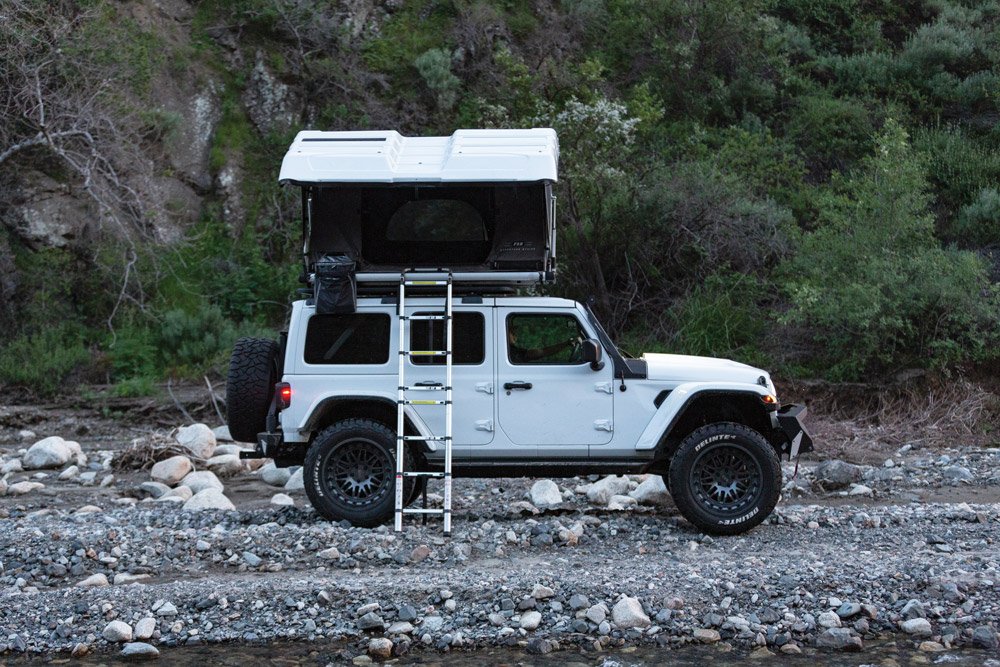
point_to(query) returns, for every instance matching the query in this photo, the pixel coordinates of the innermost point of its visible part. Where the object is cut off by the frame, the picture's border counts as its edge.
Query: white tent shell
(467, 156)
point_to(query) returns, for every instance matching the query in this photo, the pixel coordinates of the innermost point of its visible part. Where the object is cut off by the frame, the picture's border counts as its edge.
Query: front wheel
(725, 478)
(350, 470)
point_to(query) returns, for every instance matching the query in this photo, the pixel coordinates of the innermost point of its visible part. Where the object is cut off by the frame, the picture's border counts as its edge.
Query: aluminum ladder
(433, 278)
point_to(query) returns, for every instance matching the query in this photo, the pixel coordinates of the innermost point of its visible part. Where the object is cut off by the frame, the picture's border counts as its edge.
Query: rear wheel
(253, 372)
(725, 478)
(350, 472)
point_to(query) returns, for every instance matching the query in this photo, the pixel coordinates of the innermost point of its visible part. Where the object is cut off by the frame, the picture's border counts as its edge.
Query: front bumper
(790, 422)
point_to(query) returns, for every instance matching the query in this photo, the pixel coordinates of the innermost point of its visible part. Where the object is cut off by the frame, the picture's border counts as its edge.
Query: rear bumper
(273, 446)
(790, 422)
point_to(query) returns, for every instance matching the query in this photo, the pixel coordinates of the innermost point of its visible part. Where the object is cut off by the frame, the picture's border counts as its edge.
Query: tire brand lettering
(709, 440)
(745, 517)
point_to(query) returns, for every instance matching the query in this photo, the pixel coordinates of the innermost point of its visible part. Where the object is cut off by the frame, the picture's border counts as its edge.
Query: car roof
(385, 156)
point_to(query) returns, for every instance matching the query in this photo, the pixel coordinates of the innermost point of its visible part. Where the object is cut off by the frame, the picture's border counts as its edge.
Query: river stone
(21, 488)
(69, 473)
(540, 592)
(837, 474)
(229, 449)
(295, 482)
(94, 580)
(828, 619)
(920, 627)
(707, 635)
(273, 475)
(209, 499)
(51, 452)
(578, 601)
(912, 609)
(371, 621)
(400, 628)
(380, 647)
(628, 613)
(139, 650)
(197, 439)
(545, 492)
(985, 637)
(222, 434)
(957, 474)
(530, 620)
(145, 628)
(619, 503)
(171, 471)
(601, 491)
(839, 639)
(651, 491)
(117, 631)
(282, 500)
(154, 489)
(848, 609)
(225, 465)
(597, 613)
(200, 480)
(181, 493)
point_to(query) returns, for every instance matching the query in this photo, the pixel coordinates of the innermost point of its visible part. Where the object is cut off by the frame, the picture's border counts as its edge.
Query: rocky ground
(203, 548)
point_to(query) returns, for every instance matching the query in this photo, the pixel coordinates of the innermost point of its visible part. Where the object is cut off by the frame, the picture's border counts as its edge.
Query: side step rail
(440, 278)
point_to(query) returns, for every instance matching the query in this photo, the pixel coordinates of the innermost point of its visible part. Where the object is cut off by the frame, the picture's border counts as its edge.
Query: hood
(684, 368)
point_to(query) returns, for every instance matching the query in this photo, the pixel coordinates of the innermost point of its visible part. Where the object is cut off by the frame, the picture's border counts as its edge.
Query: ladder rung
(423, 473)
(418, 510)
(432, 438)
(420, 283)
(425, 387)
(425, 317)
(426, 353)
(420, 401)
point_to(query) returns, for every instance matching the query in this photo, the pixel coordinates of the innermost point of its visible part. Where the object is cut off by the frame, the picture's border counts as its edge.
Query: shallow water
(297, 654)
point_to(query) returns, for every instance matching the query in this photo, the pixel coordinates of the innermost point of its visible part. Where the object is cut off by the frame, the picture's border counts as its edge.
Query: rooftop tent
(478, 202)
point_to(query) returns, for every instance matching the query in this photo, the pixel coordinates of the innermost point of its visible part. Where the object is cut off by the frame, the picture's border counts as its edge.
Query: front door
(548, 397)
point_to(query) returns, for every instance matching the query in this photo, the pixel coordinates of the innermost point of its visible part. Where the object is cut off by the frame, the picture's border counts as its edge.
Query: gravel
(828, 569)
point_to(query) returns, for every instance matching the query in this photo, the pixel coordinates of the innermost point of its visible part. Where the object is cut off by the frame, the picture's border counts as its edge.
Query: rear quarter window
(348, 339)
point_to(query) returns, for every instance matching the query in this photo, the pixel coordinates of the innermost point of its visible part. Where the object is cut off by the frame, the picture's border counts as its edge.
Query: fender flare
(321, 404)
(673, 407)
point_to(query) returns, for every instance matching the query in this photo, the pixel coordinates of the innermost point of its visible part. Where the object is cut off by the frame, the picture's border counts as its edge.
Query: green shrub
(43, 362)
(721, 318)
(979, 222)
(874, 284)
(135, 387)
(434, 66)
(832, 133)
(193, 343)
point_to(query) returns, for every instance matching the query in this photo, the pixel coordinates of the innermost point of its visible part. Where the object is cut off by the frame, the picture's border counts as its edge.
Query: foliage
(45, 361)
(874, 284)
(435, 67)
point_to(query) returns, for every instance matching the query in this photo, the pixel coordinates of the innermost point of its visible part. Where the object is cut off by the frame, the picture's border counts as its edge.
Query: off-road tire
(364, 444)
(253, 372)
(719, 461)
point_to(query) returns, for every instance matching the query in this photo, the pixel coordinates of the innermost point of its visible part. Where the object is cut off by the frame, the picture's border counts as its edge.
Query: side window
(468, 338)
(543, 339)
(348, 339)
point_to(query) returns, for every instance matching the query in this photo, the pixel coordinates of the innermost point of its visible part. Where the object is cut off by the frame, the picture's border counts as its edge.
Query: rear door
(472, 374)
(546, 396)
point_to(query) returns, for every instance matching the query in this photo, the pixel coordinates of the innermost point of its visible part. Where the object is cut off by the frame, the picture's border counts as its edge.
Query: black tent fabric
(471, 227)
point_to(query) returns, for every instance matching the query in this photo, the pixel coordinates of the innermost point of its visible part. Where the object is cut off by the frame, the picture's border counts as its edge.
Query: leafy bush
(720, 318)
(195, 342)
(43, 362)
(979, 222)
(874, 284)
(832, 133)
(434, 66)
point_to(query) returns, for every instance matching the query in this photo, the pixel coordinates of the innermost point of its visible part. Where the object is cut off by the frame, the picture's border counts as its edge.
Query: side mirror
(591, 351)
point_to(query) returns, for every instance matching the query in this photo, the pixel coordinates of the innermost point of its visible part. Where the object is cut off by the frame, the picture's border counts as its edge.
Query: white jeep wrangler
(538, 387)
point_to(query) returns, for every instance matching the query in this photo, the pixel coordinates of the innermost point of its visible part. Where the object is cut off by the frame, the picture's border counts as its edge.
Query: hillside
(810, 186)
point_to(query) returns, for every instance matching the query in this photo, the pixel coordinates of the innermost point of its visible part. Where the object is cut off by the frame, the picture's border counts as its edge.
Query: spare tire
(253, 372)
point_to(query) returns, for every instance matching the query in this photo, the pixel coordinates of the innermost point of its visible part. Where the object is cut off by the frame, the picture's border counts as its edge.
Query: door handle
(427, 383)
(516, 385)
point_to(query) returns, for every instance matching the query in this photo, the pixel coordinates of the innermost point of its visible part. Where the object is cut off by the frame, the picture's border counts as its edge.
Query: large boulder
(601, 491)
(628, 613)
(295, 482)
(837, 474)
(202, 479)
(197, 439)
(52, 452)
(225, 465)
(545, 492)
(273, 475)
(209, 499)
(651, 491)
(172, 470)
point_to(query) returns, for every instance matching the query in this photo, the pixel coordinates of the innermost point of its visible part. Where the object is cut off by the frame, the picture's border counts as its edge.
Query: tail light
(283, 395)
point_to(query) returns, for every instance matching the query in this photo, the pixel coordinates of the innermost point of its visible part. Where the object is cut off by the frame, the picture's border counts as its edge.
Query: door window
(544, 339)
(468, 338)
